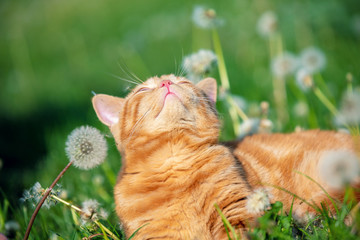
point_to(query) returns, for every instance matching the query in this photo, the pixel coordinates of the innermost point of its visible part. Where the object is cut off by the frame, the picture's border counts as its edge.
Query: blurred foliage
(55, 53)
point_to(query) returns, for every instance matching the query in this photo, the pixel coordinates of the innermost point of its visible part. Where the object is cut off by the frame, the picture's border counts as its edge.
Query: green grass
(54, 53)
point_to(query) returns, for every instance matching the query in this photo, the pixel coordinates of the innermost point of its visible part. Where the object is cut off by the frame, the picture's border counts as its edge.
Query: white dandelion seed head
(302, 218)
(344, 130)
(304, 79)
(199, 63)
(284, 64)
(349, 113)
(103, 214)
(298, 129)
(249, 127)
(90, 209)
(63, 194)
(258, 201)
(301, 109)
(267, 24)
(265, 126)
(339, 167)
(86, 147)
(36, 192)
(313, 60)
(33, 195)
(205, 17)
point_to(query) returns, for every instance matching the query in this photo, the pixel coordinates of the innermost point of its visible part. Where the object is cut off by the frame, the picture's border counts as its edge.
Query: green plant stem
(104, 233)
(319, 81)
(234, 110)
(99, 224)
(226, 222)
(279, 88)
(235, 120)
(323, 189)
(239, 111)
(66, 203)
(221, 62)
(294, 195)
(325, 101)
(280, 98)
(46, 194)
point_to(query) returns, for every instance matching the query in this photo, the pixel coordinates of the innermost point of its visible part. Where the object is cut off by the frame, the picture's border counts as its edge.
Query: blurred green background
(53, 54)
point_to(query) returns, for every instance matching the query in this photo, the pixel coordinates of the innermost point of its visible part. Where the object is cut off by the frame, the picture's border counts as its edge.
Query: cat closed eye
(183, 82)
(143, 89)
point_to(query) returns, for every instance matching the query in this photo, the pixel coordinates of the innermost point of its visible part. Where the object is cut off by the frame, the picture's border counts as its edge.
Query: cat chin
(173, 114)
(172, 109)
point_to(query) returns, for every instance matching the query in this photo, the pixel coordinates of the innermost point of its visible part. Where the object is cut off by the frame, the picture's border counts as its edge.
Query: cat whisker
(179, 69)
(128, 73)
(182, 70)
(176, 68)
(124, 79)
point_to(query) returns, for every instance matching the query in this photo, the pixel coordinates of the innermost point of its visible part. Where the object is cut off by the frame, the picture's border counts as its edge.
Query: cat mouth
(168, 95)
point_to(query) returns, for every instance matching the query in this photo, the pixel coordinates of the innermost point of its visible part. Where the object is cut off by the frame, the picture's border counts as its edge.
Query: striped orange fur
(175, 170)
(281, 160)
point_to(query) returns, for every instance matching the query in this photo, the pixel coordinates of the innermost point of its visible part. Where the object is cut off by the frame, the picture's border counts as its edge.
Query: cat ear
(209, 86)
(107, 108)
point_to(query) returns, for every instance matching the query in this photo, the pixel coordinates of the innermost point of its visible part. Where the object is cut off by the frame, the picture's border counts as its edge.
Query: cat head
(161, 106)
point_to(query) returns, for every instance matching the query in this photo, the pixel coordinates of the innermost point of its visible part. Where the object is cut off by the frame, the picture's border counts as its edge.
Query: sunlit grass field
(54, 54)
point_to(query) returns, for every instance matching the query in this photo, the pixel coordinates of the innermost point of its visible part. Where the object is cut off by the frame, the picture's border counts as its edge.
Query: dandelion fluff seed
(267, 24)
(313, 59)
(258, 201)
(339, 167)
(199, 63)
(86, 147)
(205, 17)
(284, 64)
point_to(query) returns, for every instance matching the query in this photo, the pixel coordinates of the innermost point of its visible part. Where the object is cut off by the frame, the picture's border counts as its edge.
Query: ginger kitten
(175, 170)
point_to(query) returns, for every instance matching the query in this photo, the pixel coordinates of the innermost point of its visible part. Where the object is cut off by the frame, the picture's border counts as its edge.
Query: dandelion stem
(99, 224)
(323, 189)
(234, 109)
(321, 83)
(46, 194)
(239, 111)
(325, 101)
(235, 120)
(221, 62)
(279, 88)
(294, 195)
(66, 203)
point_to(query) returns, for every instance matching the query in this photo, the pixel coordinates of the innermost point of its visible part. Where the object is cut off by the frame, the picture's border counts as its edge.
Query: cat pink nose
(166, 83)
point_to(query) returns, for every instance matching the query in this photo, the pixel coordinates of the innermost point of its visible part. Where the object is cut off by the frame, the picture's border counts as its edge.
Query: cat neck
(152, 152)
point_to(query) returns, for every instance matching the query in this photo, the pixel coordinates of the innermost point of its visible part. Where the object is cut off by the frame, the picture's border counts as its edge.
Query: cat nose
(165, 83)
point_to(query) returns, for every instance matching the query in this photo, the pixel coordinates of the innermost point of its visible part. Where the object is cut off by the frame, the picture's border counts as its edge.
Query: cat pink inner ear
(107, 108)
(209, 86)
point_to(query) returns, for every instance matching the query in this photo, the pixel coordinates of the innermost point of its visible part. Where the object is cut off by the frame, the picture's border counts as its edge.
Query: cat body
(281, 161)
(175, 170)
